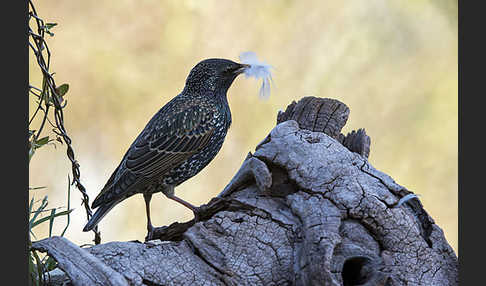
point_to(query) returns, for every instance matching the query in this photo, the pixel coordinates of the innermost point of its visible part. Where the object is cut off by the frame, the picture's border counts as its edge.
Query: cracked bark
(306, 208)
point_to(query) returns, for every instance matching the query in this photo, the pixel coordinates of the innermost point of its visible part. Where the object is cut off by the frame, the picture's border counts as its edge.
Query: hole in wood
(355, 271)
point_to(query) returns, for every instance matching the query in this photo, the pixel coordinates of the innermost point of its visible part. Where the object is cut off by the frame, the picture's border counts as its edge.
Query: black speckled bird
(177, 143)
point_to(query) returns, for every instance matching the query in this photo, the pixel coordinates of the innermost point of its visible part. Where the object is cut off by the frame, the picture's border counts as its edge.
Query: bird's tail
(98, 215)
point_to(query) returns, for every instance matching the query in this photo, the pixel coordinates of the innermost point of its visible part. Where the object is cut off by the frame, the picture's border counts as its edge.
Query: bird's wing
(168, 140)
(171, 142)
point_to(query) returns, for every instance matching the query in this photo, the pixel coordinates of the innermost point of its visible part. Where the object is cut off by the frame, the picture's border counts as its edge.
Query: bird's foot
(150, 233)
(196, 211)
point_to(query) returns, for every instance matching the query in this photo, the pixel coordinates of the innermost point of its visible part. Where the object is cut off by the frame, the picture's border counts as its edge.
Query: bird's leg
(169, 193)
(147, 197)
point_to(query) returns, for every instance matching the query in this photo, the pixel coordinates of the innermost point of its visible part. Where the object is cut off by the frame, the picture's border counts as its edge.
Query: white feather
(258, 70)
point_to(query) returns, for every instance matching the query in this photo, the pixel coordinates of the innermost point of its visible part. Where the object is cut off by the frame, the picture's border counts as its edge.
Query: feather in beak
(255, 68)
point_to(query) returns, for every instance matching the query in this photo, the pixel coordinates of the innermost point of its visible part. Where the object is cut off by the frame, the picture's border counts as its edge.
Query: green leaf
(51, 221)
(42, 141)
(50, 25)
(38, 211)
(31, 153)
(36, 188)
(35, 223)
(30, 210)
(68, 220)
(50, 263)
(39, 265)
(33, 234)
(62, 89)
(31, 204)
(33, 270)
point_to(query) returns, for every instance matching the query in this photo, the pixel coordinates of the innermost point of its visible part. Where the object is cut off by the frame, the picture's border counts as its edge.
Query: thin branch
(48, 98)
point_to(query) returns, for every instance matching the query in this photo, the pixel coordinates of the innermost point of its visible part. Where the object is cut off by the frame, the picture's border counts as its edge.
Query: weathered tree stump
(306, 208)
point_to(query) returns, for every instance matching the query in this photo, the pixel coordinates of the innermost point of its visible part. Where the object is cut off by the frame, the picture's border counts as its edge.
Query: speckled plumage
(178, 142)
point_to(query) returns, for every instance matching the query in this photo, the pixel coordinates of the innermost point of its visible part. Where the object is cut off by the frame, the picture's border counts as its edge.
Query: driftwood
(306, 208)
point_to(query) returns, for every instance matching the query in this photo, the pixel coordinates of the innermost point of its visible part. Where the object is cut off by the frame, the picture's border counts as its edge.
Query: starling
(177, 143)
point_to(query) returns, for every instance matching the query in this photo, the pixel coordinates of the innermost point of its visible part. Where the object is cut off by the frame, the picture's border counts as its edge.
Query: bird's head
(214, 75)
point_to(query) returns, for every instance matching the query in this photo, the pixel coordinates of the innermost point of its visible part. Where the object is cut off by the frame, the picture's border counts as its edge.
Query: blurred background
(392, 62)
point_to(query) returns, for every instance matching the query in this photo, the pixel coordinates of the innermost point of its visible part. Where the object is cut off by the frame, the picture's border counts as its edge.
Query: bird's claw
(196, 211)
(150, 233)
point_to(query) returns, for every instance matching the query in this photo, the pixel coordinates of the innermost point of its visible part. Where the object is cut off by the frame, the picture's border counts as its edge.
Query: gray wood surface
(303, 209)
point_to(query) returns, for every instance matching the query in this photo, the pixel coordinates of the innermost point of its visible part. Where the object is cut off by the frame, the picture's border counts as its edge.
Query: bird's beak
(241, 69)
